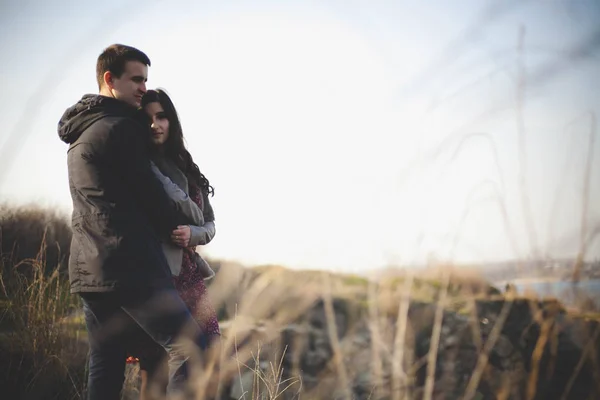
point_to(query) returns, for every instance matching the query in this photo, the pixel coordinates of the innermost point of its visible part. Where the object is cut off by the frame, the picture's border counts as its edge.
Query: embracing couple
(140, 207)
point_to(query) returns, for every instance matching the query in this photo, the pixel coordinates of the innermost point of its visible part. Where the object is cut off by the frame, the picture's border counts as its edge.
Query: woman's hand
(181, 236)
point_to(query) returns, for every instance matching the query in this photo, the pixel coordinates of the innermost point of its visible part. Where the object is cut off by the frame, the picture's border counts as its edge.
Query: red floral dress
(191, 287)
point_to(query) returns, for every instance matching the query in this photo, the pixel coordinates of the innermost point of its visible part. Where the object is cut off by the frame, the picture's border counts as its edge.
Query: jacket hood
(91, 108)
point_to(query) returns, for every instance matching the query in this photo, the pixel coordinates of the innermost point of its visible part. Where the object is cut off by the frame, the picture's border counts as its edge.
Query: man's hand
(181, 236)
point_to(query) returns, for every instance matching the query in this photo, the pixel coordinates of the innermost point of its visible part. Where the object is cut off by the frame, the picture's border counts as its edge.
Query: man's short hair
(114, 58)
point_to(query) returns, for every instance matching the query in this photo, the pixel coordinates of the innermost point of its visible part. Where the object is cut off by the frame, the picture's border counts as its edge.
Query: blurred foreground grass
(443, 334)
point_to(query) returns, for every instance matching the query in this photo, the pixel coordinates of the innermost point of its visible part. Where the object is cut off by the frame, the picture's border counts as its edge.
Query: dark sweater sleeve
(133, 161)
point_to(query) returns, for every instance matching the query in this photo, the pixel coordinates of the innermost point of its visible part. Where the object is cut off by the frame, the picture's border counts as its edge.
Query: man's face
(131, 85)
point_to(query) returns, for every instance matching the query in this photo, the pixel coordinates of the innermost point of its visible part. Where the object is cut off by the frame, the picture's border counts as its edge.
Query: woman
(189, 270)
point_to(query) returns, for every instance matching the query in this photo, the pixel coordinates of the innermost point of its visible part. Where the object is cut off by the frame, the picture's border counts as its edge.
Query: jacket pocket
(76, 245)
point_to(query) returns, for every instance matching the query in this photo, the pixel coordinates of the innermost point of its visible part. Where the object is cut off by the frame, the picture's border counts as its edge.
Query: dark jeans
(112, 318)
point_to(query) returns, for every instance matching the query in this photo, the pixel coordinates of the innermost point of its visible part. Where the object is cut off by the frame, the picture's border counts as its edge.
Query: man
(120, 210)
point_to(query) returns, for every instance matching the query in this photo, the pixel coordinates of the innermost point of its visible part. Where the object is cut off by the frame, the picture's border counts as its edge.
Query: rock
(242, 386)
(370, 368)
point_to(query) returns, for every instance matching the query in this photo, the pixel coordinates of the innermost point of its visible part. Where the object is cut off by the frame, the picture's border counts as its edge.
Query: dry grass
(26, 229)
(38, 343)
(275, 321)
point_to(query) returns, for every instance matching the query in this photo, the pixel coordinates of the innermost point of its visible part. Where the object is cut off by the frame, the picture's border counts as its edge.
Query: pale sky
(331, 130)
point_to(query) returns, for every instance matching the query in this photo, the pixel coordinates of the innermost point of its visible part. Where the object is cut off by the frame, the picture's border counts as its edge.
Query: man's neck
(106, 92)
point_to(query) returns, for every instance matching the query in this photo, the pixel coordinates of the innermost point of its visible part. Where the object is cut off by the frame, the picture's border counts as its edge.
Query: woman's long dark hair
(174, 147)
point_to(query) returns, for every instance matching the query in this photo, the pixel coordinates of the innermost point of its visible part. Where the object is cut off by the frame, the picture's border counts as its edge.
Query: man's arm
(133, 163)
(184, 202)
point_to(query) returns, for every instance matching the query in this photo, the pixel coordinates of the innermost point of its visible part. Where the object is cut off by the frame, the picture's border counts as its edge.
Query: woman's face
(159, 123)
